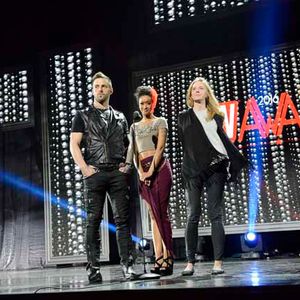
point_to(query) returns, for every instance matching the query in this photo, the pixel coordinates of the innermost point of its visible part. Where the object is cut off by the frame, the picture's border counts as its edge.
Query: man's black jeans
(215, 187)
(114, 183)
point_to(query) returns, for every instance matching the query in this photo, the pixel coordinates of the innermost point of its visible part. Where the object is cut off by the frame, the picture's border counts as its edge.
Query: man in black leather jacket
(102, 132)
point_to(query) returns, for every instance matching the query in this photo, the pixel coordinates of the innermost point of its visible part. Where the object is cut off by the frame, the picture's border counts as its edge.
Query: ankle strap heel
(157, 265)
(168, 269)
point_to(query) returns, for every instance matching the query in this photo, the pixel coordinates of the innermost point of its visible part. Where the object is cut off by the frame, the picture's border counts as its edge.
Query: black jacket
(103, 144)
(198, 152)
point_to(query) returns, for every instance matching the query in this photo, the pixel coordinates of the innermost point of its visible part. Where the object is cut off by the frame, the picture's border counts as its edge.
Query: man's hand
(88, 171)
(125, 168)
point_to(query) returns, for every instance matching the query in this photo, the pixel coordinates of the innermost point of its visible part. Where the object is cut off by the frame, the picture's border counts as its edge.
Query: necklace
(104, 114)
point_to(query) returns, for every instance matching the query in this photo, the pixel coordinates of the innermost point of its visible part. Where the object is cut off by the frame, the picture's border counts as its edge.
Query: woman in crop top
(147, 144)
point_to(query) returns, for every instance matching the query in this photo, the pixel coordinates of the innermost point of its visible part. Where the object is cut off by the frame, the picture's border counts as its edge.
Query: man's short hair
(101, 75)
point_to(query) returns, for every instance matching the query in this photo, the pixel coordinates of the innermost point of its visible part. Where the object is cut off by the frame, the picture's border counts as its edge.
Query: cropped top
(145, 136)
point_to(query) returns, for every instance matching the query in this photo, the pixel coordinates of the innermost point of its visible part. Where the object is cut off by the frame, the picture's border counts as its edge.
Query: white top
(210, 128)
(145, 135)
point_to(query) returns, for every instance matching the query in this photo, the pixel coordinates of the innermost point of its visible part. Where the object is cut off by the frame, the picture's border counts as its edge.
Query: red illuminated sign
(264, 127)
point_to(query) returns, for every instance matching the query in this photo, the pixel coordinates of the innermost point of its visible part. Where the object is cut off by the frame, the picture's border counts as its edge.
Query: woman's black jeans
(215, 187)
(114, 183)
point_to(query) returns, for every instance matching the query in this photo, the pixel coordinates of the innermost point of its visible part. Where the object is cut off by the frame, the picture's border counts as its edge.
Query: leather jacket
(104, 144)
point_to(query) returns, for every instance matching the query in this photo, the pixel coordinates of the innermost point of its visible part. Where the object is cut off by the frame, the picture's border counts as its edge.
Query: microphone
(136, 116)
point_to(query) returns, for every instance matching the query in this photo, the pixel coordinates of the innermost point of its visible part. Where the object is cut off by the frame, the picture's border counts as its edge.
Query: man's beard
(101, 99)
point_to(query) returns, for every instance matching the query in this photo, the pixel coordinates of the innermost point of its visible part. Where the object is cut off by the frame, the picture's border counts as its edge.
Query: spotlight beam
(21, 184)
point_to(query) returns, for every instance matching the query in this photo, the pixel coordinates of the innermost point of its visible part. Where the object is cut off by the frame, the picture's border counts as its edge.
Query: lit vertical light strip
(295, 58)
(231, 196)
(281, 176)
(178, 9)
(170, 83)
(170, 10)
(254, 156)
(181, 80)
(191, 9)
(270, 113)
(159, 11)
(245, 66)
(290, 203)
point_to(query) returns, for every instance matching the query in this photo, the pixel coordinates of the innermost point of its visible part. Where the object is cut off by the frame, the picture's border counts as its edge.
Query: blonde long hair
(212, 103)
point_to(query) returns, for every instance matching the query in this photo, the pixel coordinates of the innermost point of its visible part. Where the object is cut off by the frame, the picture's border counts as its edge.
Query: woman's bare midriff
(146, 154)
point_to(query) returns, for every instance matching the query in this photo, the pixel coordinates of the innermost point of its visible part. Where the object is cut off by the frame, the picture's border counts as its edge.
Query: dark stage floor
(259, 279)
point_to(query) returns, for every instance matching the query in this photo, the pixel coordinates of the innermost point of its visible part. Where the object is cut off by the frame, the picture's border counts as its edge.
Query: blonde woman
(209, 158)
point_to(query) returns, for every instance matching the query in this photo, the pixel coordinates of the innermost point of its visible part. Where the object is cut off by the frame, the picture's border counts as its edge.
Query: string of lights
(174, 10)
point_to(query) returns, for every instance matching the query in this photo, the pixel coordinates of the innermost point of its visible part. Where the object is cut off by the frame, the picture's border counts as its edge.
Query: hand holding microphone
(136, 116)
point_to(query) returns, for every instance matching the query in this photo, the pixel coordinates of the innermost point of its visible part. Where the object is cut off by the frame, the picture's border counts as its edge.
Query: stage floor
(238, 273)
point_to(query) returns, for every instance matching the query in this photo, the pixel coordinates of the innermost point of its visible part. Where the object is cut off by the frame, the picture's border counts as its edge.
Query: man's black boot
(94, 274)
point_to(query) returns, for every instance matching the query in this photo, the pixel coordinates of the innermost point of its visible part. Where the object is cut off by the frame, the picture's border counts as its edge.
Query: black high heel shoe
(157, 265)
(168, 269)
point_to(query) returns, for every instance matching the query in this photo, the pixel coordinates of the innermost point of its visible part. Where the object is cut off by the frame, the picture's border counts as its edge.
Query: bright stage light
(144, 244)
(251, 239)
(251, 244)
(250, 236)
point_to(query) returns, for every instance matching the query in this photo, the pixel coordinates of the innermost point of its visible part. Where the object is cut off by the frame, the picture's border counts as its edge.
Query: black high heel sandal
(157, 265)
(168, 269)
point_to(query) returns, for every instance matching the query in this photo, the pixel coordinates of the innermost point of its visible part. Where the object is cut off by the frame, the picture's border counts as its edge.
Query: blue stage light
(261, 35)
(251, 244)
(251, 239)
(144, 244)
(250, 236)
(21, 184)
